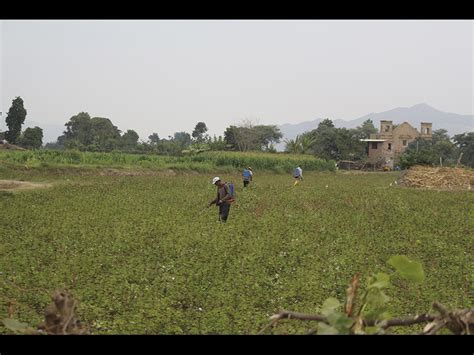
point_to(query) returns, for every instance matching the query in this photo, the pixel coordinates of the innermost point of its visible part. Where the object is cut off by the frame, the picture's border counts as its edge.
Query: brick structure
(386, 146)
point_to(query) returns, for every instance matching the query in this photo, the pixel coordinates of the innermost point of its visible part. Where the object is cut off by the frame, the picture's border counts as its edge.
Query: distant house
(385, 147)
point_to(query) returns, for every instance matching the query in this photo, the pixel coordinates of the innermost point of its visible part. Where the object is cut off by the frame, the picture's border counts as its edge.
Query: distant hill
(452, 122)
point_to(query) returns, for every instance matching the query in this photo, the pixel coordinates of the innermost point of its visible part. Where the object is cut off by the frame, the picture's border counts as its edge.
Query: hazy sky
(164, 76)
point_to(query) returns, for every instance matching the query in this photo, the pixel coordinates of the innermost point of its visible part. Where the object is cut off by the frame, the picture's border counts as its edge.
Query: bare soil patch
(9, 185)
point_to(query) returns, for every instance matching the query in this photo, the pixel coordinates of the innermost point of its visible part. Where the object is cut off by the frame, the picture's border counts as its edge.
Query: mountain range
(452, 122)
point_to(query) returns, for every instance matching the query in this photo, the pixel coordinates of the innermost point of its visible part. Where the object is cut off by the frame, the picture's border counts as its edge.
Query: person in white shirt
(298, 174)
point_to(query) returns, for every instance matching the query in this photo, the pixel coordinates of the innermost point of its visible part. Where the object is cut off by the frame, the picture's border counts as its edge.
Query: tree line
(87, 133)
(329, 142)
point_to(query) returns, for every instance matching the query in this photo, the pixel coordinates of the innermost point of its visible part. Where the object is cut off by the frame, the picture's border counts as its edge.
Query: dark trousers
(224, 209)
(246, 182)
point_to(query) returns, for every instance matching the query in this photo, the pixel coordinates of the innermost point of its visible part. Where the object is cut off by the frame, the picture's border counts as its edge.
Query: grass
(204, 162)
(144, 256)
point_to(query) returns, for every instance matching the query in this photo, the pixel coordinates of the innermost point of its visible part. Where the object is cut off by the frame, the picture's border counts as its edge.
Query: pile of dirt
(442, 178)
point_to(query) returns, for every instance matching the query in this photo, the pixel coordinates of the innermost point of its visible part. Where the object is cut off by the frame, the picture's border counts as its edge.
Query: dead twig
(351, 294)
(401, 322)
(459, 322)
(293, 315)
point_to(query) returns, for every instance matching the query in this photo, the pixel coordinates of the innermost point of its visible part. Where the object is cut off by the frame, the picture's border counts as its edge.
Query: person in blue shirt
(247, 176)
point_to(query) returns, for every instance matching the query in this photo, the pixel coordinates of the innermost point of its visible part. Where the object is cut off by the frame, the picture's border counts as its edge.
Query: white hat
(216, 179)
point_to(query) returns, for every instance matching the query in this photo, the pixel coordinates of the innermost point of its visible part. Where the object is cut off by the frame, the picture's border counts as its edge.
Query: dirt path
(10, 185)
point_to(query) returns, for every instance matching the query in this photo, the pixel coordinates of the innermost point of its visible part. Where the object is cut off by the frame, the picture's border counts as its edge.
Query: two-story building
(386, 146)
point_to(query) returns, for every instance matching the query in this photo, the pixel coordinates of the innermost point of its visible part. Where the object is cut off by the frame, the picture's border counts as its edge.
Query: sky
(165, 76)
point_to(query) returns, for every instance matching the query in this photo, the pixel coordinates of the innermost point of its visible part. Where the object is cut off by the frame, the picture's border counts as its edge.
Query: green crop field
(143, 254)
(204, 162)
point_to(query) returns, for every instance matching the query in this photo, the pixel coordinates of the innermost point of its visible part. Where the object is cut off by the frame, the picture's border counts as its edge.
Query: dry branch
(292, 315)
(351, 294)
(458, 322)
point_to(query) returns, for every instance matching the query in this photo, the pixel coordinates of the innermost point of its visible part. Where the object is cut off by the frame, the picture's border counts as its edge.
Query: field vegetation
(143, 254)
(204, 162)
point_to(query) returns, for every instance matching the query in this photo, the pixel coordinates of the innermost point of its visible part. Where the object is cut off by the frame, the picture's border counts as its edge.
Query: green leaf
(375, 304)
(385, 315)
(381, 280)
(330, 305)
(371, 330)
(406, 268)
(324, 329)
(340, 321)
(15, 325)
(377, 297)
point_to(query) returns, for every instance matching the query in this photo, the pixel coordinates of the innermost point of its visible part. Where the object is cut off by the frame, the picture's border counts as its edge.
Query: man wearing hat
(223, 200)
(298, 174)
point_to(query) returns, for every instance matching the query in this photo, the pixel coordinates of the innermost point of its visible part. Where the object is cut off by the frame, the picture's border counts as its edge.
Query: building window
(427, 131)
(389, 146)
(374, 145)
(387, 128)
(404, 142)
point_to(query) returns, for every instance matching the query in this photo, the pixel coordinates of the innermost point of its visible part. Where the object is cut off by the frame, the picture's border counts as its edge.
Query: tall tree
(154, 138)
(183, 139)
(329, 142)
(32, 138)
(199, 132)
(465, 143)
(249, 137)
(15, 117)
(267, 135)
(86, 133)
(440, 135)
(324, 138)
(366, 129)
(129, 140)
(326, 123)
(78, 131)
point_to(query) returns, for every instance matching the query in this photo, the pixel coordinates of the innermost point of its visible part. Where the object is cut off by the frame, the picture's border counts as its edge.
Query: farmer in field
(298, 174)
(224, 198)
(247, 175)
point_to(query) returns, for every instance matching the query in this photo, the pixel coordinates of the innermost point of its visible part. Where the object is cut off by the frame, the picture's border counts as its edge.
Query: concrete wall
(404, 132)
(375, 154)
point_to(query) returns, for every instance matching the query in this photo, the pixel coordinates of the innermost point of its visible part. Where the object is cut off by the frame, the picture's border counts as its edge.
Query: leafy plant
(373, 316)
(141, 252)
